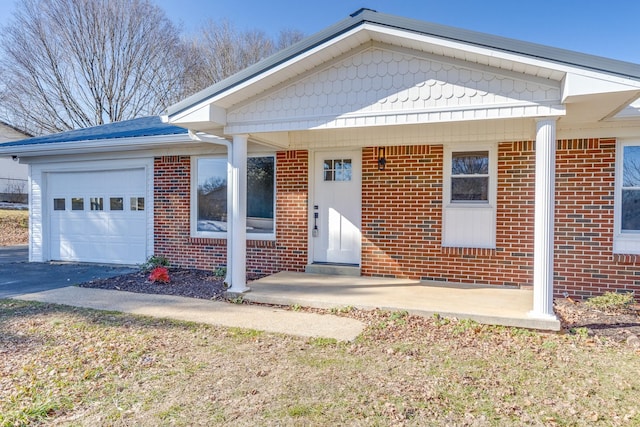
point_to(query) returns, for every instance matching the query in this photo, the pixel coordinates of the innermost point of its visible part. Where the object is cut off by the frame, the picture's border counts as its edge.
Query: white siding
(382, 87)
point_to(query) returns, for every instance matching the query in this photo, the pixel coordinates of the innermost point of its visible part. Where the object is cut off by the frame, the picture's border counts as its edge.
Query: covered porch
(493, 305)
(428, 153)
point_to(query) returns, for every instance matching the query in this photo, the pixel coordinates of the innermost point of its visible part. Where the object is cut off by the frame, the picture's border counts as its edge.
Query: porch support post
(228, 280)
(543, 224)
(238, 227)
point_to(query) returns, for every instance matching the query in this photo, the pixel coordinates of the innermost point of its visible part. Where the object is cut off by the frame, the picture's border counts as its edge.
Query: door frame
(313, 154)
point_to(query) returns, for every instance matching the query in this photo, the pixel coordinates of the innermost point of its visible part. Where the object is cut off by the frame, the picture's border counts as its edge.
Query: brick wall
(585, 181)
(406, 242)
(292, 186)
(172, 177)
(402, 219)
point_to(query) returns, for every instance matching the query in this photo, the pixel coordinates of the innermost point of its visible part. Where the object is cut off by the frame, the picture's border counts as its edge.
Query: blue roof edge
(134, 128)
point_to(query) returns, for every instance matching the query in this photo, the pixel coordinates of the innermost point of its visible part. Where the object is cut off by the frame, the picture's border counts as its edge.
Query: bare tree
(221, 50)
(287, 37)
(78, 63)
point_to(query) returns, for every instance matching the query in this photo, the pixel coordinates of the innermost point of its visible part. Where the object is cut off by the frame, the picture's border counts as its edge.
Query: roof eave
(93, 146)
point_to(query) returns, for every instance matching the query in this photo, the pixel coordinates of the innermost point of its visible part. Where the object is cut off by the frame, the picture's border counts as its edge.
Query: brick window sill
(626, 258)
(468, 252)
(223, 242)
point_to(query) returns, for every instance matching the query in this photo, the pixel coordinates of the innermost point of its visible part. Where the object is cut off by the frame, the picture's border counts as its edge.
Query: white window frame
(469, 224)
(624, 242)
(194, 201)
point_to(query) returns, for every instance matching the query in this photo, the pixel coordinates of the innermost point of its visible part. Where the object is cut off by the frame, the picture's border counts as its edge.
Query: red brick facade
(402, 219)
(405, 242)
(172, 232)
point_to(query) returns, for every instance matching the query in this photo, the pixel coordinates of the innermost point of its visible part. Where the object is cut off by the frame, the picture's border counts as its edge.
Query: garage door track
(18, 277)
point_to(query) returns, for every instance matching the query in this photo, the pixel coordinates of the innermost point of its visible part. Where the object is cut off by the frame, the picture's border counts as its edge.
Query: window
(77, 204)
(59, 204)
(470, 176)
(627, 198)
(96, 203)
(469, 195)
(337, 170)
(630, 206)
(210, 196)
(116, 203)
(137, 203)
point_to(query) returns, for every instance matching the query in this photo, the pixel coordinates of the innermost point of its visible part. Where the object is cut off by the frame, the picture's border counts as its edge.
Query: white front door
(336, 209)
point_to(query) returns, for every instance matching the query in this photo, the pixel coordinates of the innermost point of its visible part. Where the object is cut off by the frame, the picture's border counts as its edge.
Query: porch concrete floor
(485, 304)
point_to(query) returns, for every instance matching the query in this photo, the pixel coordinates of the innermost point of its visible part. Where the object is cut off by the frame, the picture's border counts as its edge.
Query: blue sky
(606, 28)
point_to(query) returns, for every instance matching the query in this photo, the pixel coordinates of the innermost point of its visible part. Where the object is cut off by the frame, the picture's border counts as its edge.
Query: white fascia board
(93, 146)
(496, 53)
(577, 85)
(208, 113)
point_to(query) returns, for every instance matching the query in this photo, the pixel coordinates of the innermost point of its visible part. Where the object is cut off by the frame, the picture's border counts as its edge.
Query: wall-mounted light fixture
(382, 158)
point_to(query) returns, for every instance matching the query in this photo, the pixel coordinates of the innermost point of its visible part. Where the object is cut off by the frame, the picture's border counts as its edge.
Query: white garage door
(98, 216)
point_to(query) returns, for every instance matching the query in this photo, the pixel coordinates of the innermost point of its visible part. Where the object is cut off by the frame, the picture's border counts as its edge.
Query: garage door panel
(106, 236)
(133, 227)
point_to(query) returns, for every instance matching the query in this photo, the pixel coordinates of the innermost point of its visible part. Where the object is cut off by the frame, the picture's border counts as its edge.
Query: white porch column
(230, 186)
(544, 210)
(237, 239)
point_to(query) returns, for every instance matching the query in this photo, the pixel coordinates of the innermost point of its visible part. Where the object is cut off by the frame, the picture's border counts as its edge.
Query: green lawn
(68, 366)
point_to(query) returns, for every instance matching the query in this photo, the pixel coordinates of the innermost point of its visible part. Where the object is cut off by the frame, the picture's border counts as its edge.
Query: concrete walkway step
(217, 313)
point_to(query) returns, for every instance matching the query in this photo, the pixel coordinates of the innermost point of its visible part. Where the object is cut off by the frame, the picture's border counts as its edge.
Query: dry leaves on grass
(14, 227)
(75, 366)
(205, 284)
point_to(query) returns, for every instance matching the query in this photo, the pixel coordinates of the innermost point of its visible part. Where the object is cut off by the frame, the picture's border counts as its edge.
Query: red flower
(159, 274)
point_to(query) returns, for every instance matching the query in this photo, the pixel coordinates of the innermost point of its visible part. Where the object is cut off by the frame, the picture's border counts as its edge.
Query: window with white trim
(469, 195)
(627, 198)
(469, 176)
(209, 197)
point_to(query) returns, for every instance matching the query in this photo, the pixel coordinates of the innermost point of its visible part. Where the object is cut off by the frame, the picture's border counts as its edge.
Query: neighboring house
(13, 175)
(385, 145)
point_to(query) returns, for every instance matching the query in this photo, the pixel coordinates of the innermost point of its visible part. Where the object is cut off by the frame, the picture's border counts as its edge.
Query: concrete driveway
(17, 276)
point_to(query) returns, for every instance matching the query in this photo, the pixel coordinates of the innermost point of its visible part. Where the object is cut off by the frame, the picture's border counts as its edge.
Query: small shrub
(345, 309)
(220, 272)
(237, 300)
(398, 315)
(159, 274)
(581, 332)
(154, 261)
(611, 301)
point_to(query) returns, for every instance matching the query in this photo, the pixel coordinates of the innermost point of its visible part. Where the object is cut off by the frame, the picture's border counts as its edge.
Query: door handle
(315, 232)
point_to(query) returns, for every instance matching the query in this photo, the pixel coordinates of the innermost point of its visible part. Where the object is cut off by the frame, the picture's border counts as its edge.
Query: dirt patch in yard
(576, 317)
(622, 325)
